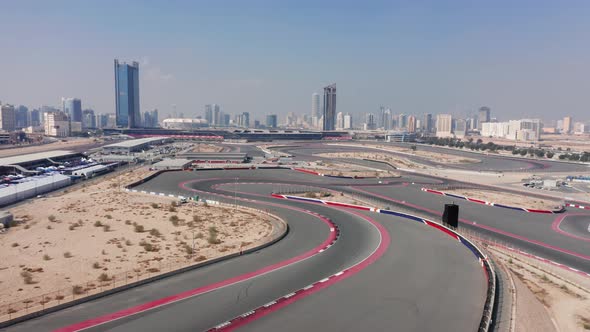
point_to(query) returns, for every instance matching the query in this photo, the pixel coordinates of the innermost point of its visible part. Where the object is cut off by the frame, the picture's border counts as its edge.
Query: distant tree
(540, 153)
(413, 147)
(515, 151)
(549, 154)
(563, 156)
(585, 157)
(479, 141)
(523, 152)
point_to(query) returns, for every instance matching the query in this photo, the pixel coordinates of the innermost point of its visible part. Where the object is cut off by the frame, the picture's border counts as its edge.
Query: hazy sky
(521, 58)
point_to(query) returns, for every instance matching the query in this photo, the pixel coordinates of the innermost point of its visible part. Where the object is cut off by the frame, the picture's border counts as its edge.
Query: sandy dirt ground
(339, 169)
(203, 147)
(507, 198)
(547, 296)
(431, 156)
(59, 145)
(574, 142)
(393, 160)
(87, 236)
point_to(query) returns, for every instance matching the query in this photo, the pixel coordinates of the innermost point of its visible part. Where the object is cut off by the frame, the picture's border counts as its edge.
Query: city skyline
(459, 57)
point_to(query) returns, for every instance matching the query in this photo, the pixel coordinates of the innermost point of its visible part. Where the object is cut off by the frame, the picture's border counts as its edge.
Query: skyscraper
(127, 94)
(22, 117)
(73, 108)
(339, 121)
(483, 116)
(347, 121)
(271, 121)
(7, 117)
(315, 105)
(567, 125)
(427, 125)
(88, 119)
(209, 114)
(411, 124)
(444, 125)
(329, 113)
(35, 118)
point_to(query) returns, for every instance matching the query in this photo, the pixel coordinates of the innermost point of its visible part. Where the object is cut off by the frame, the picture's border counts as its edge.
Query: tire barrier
(490, 274)
(479, 201)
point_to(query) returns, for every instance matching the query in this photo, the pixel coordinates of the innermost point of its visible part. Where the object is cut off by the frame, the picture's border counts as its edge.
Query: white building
(495, 129)
(444, 125)
(184, 123)
(315, 110)
(339, 121)
(347, 121)
(57, 124)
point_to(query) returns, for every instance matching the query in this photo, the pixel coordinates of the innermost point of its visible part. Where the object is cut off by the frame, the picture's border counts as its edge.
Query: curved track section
(417, 280)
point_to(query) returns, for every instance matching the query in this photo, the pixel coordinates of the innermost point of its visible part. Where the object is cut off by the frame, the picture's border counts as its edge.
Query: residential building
(460, 129)
(35, 118)
(57, 124)
(127, 95)
(209, 114)
(7, 117)
(347, 121)
(329, 113)
(411, 124)
(567, 125)
(315, 105)
(444, 125)
(339, 121)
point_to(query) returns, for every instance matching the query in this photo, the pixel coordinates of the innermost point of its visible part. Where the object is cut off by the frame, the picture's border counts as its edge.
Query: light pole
(193, 250)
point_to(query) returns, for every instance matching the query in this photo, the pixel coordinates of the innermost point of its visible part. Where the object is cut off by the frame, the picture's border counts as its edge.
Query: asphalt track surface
(577, 225)
(417, 278)
(304, 151)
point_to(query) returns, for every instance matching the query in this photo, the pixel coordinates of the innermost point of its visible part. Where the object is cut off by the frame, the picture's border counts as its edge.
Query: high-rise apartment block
(567, 125)
(127, 95)
(444, 125)
(7, 117)
(57, 124)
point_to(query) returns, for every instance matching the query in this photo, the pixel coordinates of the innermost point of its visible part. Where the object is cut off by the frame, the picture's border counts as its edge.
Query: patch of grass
(98, 223)
(199, 235)
(77, 290)
(127, 222)
(52, 218)
(155, 232)
(106, 228)
(49, 227)
(14, 245)
(544, 278)
(148, 247)
(155, 205)
(139, 228)
(103, 277)
(96, 265)
(197, 218)
(27, 226)
(108, 216)
(68, 254)
(46, 257)
(128, 242)
(27, 277)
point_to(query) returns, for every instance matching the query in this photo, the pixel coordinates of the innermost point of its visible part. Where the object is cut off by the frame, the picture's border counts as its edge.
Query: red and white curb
(479, 201)
(578, 206)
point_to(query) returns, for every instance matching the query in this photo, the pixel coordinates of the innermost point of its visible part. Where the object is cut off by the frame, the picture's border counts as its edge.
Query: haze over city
(264, 57)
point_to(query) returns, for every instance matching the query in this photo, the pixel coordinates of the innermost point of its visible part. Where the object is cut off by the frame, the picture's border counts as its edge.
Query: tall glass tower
(127, 95)
(329, 107)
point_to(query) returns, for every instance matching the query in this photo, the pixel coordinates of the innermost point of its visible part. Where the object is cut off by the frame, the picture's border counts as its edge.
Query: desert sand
(203, 147)
(58, 145)
(98, 234)
(507, 198)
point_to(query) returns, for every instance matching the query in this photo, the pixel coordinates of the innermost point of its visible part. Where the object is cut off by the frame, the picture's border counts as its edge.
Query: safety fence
(479, 254)
(106, 284)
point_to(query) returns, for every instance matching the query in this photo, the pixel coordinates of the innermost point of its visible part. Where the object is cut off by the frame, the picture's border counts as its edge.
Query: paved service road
(413, 278)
